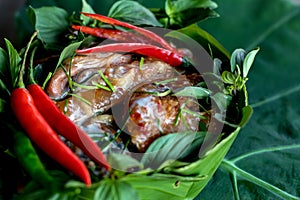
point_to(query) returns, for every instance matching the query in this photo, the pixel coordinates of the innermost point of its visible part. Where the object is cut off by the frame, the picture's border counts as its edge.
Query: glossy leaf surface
(268, 147)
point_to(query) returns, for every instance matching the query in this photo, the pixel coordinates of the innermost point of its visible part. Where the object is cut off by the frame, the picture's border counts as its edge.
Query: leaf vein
(276, 96)
(265, 150)
(272, 28)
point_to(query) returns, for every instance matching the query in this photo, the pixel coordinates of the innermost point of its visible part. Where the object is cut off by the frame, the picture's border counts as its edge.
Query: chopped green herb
(81, 98)
(196, 92)
(70, 81)
(184, 122)
(47, 79)
(70, 72)
(159, 126)
(126, 145)
(66, 106)
(193, 113)
(159, 94)
(111, 140)
(178, 116)
(107, 81)
(88, 87)
(165, 81)
(101, 86)
(141, 63)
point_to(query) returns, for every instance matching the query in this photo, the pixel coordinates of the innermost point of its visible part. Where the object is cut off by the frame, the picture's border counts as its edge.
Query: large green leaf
(14, 62)
(172, 147)
(191, 177)
(206, 40)
(182, 13)
(160, 186)
(115, 190)
(51, 23)
(132, 12)
(264, 160)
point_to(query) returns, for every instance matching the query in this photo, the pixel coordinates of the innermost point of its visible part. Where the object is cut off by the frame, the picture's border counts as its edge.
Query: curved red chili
(65, 127)
(44, 136)
(112, 34)
(169, 57)
(148, 34)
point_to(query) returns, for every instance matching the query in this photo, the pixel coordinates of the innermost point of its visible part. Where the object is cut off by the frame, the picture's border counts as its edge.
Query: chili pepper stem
(31, 78)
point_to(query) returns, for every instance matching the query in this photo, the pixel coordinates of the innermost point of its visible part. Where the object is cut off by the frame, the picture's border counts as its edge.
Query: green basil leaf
(14, 62)
(249, 59)
(4, 69)
(67, 52)
(222, 100)
(197, 92)
(247, 113)
(182, 13)
(51, 24)
(191, 178)
(88, 9)
(182, 5)
(191, 154)
(170, 147)
(206, 40)
(115, 190)
(133, 12)
(237, 58)
(123, 162)
(164, 186)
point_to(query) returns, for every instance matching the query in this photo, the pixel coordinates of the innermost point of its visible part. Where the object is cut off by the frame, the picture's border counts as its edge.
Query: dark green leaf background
(273, 133)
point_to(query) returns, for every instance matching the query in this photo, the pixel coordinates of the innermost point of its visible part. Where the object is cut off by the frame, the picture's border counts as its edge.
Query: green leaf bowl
(185, 182)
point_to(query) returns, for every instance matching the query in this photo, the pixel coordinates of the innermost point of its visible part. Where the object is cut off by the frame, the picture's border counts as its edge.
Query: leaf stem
(21, 73)
(232, 168)
(31, 76)
(235, 186)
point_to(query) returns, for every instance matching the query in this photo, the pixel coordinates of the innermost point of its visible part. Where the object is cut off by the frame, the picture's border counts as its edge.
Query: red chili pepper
(39, 131)
(148, 34)
(112, 34)
(65, 127)
(43, 135)
(165, 55)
